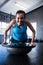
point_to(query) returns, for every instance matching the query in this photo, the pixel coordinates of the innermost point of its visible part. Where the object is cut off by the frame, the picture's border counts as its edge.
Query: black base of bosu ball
(13, 49)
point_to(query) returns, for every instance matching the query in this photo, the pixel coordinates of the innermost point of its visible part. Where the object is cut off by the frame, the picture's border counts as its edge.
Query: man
(20, 26)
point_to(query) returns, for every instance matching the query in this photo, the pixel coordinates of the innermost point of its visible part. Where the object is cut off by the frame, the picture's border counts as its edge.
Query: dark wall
(37, 16)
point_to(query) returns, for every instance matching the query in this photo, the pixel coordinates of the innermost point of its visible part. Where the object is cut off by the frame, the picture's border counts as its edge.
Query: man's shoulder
(26, 20)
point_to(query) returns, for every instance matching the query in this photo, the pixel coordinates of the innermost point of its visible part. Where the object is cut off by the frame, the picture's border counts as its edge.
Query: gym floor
(34, 57)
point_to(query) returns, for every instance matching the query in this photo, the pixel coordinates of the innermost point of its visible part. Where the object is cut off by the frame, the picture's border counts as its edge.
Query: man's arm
(32, 29)
(7, 28)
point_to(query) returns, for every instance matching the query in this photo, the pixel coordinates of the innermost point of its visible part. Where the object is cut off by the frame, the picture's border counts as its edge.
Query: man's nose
(20, 20)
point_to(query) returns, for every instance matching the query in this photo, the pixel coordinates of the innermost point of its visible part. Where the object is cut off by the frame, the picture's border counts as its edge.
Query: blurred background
(34, 13)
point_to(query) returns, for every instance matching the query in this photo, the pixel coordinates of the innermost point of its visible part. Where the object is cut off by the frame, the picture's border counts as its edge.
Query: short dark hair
(20, 11)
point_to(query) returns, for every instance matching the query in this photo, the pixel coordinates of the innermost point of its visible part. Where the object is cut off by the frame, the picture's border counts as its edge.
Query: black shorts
(13, 40)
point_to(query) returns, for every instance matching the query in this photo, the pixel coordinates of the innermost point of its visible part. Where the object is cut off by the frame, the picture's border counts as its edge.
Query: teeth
(18, 24)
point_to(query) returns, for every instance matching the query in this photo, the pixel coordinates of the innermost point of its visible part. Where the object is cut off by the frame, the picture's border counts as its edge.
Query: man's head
(20, 16)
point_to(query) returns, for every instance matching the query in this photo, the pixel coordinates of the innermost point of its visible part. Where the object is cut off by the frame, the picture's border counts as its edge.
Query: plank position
(20, 24)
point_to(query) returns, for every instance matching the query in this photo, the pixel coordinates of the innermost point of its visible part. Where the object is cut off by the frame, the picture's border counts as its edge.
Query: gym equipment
(20, 49)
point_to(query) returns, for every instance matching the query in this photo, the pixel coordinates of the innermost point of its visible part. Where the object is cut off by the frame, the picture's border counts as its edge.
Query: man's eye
(18, 18)
(22, 18)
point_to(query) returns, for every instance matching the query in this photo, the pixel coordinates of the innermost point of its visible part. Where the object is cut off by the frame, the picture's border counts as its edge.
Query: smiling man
(20, 27)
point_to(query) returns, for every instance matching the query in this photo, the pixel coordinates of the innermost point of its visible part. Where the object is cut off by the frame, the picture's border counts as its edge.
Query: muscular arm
(31, 28)
(7, 28)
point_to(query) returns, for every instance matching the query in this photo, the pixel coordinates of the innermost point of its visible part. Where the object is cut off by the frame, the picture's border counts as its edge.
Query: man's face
(20, 18)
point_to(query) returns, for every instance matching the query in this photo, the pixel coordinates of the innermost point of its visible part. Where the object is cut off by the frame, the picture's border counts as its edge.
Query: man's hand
(4, 42)
(32, 44)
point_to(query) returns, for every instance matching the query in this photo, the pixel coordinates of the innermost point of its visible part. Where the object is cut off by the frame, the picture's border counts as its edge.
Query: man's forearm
(33, 36)
(5, 36)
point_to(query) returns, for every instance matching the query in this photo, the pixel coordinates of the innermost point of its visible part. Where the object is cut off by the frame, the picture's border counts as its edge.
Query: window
(3, 25)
